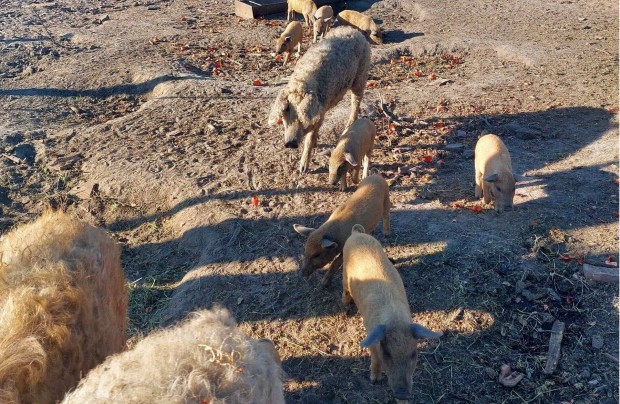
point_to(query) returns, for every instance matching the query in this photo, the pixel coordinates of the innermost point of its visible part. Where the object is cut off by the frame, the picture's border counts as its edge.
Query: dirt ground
(149, 118)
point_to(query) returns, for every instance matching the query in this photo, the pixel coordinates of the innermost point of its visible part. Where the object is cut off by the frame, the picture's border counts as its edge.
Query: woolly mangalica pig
(372, 282)
(290, 38)
(354, 145)
(322, 20)
(63, 306)
(494, 178)
(369, 203)
(320, 80)
(205, 359)
(363, 23)
(307, 8)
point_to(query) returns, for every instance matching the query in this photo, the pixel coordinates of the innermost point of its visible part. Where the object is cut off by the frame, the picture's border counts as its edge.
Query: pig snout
(292, 144)
(333, 181)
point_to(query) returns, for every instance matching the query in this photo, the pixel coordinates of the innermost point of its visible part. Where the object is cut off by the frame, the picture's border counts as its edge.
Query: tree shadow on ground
(127, 89)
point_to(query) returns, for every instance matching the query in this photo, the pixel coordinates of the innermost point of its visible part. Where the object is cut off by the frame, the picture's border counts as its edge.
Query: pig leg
(355, 175)
(343, 182)
(299, 49)
(309, 143)
(335, 265)
(375, 363)
(486, 194)
(366, 164)
(286, 57)
(346, 295)
(386, 215)
(357, 92)
(478, 188)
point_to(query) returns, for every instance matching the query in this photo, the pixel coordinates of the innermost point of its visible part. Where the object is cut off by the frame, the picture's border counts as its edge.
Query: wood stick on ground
(555, 342)
(601, 274)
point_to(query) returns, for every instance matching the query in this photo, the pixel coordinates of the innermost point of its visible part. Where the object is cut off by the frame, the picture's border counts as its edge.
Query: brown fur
(323, 19)
(494, 178)
(206, 359)
(63, 306)
(321, 78)
(374, 284)
(290, 38)
(307, 8)
(363, 23)
(354, 147)
(367, 205)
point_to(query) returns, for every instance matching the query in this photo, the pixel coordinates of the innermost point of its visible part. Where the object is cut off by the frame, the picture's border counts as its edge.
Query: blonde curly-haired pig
(354, 145)
(367, 205)
(323, 19)
(307, 8)
(205, 359)
(290, 38)
(363, 23)
(371, 281)
(321, 78)
(494, 178)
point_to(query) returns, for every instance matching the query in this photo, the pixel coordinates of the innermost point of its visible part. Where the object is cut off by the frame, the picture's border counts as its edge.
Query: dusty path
(143, 117)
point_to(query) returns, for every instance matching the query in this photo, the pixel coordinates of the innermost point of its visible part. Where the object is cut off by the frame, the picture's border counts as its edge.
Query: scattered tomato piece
(476, 208)
(439, 125)
(428, 159)
(417, 73)
(257, 83)
(432, 76)
(255, 201)
(392, 127)
(279, 121)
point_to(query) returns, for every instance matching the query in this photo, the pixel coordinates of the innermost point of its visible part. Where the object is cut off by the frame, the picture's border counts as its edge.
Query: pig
(307, 8)
(371, 281)
(323, 18)
(494, 178)
(363, 23)
(355, 144)
(369, 203)
(321, 78)
(290, 38)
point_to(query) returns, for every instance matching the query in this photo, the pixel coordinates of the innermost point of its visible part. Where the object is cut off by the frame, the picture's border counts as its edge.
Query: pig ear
(350, 159)
(303, 230)
(491, 178)
(358, 228)
(327, 243)
(420, 332)
(327, 19)
(308, 110)
(377, 334)
(279, 107)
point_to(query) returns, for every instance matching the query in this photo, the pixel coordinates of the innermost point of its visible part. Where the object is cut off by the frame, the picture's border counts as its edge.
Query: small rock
(553, 295)
(25, 152)
(243, 211)
(582, 19)
(468, 154)
(597, 341)
(593, 382)
(455, 147)
(461, 133)
(519, 286)
(13, 138)
(584, 374)
(521, 131)
(490, 372)
(531, 296)
(102, 19)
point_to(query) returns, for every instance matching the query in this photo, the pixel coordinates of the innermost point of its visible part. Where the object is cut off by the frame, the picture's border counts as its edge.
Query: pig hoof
(325, 282)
